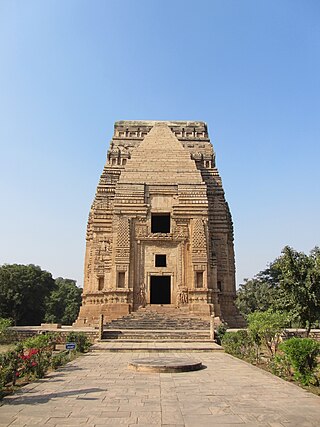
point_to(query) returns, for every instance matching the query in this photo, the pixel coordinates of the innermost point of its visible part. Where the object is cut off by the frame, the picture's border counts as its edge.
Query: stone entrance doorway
(160, 290)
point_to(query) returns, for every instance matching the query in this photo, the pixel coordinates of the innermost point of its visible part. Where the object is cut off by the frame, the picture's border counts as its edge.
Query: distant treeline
(30, 296)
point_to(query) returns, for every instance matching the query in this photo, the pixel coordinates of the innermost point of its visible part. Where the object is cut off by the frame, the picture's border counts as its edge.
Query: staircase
(157, 328)
(158, 323)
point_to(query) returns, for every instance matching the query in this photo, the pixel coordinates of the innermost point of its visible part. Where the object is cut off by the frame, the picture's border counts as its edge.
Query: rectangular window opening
(100, 283)
(219, 286)
(199, 279)
(160, 223)
(161, 261)
(121, 279)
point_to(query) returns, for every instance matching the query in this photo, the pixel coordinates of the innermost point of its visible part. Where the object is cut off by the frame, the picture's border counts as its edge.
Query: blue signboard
(70, 345)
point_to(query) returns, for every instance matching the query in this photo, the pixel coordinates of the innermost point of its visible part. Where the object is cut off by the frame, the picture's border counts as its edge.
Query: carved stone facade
(159, 229)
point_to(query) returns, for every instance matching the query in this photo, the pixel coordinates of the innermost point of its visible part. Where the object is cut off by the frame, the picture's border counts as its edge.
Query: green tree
(299, 281)
(266, 327)
(255, 295)
(259, 293)
(62, 306)
(23, 291)
(291, 284)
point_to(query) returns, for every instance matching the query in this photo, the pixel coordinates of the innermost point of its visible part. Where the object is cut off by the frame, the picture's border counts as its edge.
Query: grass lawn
(6, 347)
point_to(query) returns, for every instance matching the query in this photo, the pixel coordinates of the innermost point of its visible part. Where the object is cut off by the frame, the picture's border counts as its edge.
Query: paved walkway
(99, 390)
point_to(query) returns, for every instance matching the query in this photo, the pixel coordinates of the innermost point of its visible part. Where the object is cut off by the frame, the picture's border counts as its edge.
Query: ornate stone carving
(140, 296)
(123, 238)
(199, 237)
(181, 231)
(141, 229)
(182, 296)
(155, 168)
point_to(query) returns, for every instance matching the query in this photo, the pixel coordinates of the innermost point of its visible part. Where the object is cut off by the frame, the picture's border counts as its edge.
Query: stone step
(155, 335)
(156, 324)
(160, 340)
(157, 321)
(151, 329)
(163, 331)
(138, 327)
(153, 325)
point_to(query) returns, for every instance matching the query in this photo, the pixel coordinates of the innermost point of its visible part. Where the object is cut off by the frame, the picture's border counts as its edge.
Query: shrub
(280, 365)
(266, 327)
(32, 357)
(220, 332)
(7, 372)
(239, 344)
(37, 355)
(4, 325)
(6, 335)
(302, 354)
(10, 366)
(81, 340)
(59, 359)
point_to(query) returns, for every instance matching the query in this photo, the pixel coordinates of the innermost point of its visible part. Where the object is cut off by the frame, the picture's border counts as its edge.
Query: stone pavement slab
(98, 389)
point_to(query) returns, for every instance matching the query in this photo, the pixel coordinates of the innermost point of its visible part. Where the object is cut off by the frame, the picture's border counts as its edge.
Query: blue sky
(70, 69)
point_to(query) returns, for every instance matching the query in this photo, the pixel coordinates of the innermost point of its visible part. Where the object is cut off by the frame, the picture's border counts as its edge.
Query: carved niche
(141, 228)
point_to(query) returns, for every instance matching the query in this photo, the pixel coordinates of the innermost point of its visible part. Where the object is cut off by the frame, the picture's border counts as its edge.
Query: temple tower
(159, 229)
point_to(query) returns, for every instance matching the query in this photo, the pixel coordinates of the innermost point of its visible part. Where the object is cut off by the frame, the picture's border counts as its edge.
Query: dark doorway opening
(160, 223)
(160, 290)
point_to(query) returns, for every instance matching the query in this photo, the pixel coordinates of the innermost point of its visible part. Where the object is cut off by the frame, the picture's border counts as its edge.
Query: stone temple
(159, 231)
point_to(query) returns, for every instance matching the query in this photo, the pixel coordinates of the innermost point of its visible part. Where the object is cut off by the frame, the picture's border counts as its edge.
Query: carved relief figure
(182, 296)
